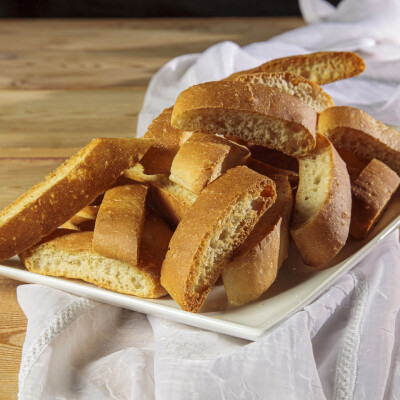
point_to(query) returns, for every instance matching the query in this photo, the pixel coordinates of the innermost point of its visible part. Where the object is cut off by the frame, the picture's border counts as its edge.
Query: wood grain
(59, 119)
(113, 53)
(63, 82)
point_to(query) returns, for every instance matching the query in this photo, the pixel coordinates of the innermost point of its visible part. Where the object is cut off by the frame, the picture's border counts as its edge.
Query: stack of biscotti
(218, 187)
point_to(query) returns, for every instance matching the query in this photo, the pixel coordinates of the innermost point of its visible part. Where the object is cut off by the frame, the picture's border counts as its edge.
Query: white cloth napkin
(345, 345)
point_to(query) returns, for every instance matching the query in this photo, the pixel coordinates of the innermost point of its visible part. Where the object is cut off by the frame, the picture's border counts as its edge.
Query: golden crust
(119, 224)
(293, 84)
(371, 193)
(183, 261)
(237, 109)
(167, 140)
(272, 172)
(356, 131)
(154, 245)
(248, 275)
(71, 187)
(320, 238)
(204, 157)
(165, 197)
(321, 67)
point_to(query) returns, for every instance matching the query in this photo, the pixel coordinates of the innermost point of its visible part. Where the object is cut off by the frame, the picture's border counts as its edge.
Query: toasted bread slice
(274, 158)
(203, 158)
(71, 187)
(251, 112)
(69, 254)
(371, 191)
(354, 164)
(119, 223)
(167, 198)
(247, 276)
(356, 131)
(220, 220)
(293, 84)
(321, 67)
(83, 220)
(256, 262)
(167, 141)
(271, 172)
(321, 219)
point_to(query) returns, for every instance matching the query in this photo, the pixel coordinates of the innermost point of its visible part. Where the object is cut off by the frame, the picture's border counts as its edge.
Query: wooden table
(63, 83)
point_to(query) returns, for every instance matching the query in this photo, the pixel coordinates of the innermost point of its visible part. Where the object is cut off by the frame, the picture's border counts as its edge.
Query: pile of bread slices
(218, 186)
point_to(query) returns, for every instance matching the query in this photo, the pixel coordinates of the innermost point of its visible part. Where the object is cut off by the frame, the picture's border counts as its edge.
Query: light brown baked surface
(167, 198)
(354, 164)
(256, 261)
(271, 172)
(293, 84)
(321, 67)
(251, 112)
(71, 187)
(371, 193)
(356, 131)
(220, 220)
(320, 232)
(119, 223)
(167, 141)
(204, 157)
(247, 276)
(83, 220)
(69, 254)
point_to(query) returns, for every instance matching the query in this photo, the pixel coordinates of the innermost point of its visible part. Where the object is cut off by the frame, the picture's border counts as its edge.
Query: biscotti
(256, 262)
(271, 172)
(371, 193)
(169, 199)
(70, 254)
(251, 112)
(356, 131)
(167, 141)
(119, 223)
(321, 219)
(71, 187)
(219, 221)
(83, 220)
(321, 67)
(293, 84)
(203, 158)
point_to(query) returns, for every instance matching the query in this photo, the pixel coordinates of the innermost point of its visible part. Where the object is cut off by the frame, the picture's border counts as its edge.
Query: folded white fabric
(345, 345)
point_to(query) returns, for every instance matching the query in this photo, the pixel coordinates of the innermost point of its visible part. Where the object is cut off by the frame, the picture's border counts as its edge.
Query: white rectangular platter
(296, 287)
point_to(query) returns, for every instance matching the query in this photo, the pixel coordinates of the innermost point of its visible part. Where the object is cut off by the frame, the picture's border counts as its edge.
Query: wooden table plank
(68, 118)
(113, 53)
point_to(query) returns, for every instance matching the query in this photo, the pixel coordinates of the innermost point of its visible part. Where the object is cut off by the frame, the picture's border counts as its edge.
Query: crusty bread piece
(354, 164)
(371, 192)
(356, 131)
(293, 84)
(119, 223)
(70, 254)
(83, 220)
(219, 221)
(71, 187)
(271, 172)
(252, 112)
(274, 158)
(321, 67)
(248, 275)
(256, 262)
(168, 199)
(321, 219)
(167, 141)
(203, 158)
